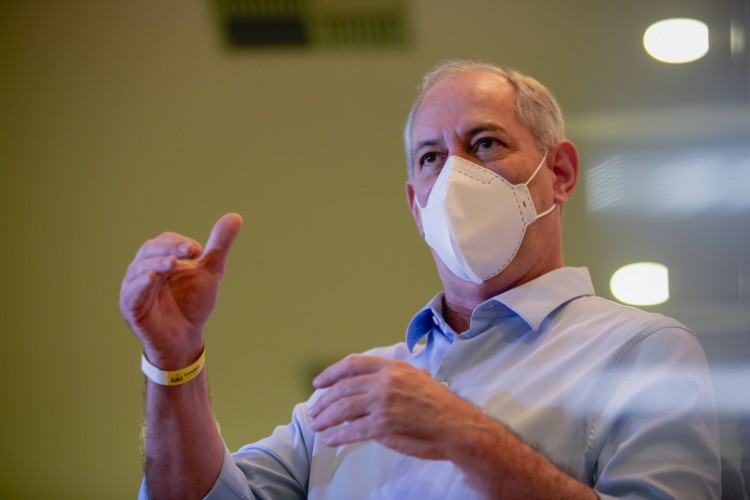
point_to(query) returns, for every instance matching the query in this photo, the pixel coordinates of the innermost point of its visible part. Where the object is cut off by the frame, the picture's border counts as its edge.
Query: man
(525, 385)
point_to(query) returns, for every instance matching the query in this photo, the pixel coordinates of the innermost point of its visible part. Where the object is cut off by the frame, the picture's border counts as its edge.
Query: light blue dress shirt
(619, 398)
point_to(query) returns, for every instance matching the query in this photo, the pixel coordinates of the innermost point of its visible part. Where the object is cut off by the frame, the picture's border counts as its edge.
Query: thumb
(222, 236)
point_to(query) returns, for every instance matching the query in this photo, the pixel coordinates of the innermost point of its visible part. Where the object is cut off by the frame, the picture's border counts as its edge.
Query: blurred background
(122, 119)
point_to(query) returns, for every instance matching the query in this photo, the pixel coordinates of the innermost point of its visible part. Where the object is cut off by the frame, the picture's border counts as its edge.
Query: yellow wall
(119, 120)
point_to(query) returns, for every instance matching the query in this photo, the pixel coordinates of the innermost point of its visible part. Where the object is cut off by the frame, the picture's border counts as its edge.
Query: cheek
(422, 190)
(542, 192)
(422, 197)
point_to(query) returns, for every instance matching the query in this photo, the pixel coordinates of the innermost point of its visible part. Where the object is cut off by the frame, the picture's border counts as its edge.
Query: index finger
(350, 366)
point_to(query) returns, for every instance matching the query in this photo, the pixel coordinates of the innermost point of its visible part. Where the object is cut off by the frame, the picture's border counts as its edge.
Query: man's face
(473, 116)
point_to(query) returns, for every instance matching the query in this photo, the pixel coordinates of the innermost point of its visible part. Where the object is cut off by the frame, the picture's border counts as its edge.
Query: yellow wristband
(176, 377)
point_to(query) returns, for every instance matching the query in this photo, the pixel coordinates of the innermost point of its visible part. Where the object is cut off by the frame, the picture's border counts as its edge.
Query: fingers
(137, 294)
(362, 429)
(370, 398)
(349, 387)
(169, 244)
(340, 411)
(348, 367)
(153, 261)
(159, 254)
(154, 264)
(219, 243)
(350, 384)
(145, 274)
(370, 427)
(353, 388)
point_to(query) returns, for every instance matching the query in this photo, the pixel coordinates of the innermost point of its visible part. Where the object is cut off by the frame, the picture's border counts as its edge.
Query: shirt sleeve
(279, 465)
(656, 422)
(275, 467)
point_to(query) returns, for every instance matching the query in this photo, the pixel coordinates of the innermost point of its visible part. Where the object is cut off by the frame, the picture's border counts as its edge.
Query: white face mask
(475, 220)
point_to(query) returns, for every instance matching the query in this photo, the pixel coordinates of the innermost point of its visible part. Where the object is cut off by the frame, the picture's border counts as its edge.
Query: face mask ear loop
(539, 167)
(539, 216)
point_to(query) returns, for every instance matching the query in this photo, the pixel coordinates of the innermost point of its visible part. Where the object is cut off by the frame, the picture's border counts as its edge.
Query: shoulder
(610, 330)
(604, 315)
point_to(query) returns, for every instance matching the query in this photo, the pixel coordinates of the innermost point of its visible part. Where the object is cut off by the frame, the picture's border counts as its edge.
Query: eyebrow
(422, 144)
(487, 127)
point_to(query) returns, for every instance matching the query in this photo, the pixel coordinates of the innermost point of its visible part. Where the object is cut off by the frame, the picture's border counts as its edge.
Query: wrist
(173, 356)
(173, 377)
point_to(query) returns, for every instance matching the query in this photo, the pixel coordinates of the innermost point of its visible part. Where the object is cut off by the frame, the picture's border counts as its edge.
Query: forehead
(462, 102)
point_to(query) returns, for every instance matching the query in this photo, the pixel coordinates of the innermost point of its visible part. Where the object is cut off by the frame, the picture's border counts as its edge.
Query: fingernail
(183, 249)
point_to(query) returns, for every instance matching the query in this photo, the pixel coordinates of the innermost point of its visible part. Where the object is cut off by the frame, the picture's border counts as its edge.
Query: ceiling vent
(313, 23)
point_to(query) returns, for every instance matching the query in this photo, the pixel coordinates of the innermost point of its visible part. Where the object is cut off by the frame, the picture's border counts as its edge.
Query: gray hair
(535, 105)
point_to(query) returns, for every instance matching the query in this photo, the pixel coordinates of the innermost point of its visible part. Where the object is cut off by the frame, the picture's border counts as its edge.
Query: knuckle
(348, 387)
(349, 363)
(379, 424)
(362, 433)
(392, 379)
(386, 384)
(385, 399)
(351, 359)
(325, 400)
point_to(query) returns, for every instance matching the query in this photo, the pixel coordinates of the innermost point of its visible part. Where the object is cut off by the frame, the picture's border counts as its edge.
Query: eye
(429, 159)
(486, 143)
(489, 148)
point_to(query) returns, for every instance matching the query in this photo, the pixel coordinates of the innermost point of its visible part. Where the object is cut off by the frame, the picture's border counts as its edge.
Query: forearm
(184, 450)
(499, 465)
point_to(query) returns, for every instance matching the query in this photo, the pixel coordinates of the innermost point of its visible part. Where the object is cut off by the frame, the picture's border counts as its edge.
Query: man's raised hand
(170, 289)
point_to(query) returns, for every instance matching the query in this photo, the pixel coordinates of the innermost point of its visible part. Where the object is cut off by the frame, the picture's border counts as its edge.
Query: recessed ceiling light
(641, 284)
(676, 40)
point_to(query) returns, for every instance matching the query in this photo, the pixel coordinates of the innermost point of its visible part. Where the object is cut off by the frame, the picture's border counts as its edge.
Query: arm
(184, 451)
(380, 399)
(167, 295)
(655, 430)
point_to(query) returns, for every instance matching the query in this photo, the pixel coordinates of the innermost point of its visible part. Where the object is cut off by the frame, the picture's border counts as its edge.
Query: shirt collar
(422, 323)
(532, 301)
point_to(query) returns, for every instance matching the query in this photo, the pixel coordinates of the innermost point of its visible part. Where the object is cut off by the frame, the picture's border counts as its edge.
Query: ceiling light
(641, 284)
(676, 40)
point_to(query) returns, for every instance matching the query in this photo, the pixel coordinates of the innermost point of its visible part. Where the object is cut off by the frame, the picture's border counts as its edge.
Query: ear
(565, 167)
(411, 199)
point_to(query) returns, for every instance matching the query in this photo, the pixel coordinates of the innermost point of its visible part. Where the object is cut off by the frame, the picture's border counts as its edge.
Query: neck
(462, 297)
(458, 317)
(537, 256)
